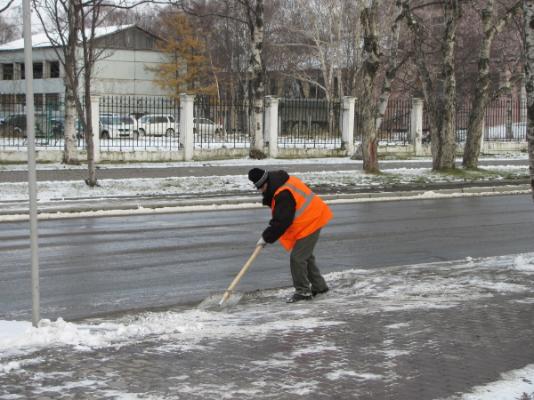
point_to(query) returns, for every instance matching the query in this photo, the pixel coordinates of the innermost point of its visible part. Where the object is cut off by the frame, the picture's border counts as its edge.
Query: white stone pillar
(347, 123)
(186, 125)
(416, 126)
(95, 120)
(271, 124)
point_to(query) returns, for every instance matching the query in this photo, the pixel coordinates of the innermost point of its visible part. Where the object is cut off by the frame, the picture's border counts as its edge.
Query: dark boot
(298, 297)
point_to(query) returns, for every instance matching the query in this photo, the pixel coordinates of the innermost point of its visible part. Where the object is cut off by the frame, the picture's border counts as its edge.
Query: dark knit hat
(258, 176)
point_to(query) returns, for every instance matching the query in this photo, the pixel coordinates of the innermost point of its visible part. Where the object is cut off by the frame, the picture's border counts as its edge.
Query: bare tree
(312, 39)
(6, 6)
(377, 67)
(438, 83)
(61, 22)
(528, 10)
(71, 26)
(250, 14)
(491, 27)
(8, 31)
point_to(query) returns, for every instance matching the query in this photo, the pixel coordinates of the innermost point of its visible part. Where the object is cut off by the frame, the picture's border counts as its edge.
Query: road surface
(92, 266)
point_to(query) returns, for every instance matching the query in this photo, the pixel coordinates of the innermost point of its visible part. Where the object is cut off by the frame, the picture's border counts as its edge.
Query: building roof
(40, 40)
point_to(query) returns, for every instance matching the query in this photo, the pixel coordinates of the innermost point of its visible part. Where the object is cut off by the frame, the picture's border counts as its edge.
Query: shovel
(210, 300)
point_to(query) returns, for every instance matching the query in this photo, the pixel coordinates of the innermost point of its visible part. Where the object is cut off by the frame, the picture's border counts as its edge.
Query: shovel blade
(215, 301)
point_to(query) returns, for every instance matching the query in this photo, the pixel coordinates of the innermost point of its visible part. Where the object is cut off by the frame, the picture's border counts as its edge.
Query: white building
(126, 67)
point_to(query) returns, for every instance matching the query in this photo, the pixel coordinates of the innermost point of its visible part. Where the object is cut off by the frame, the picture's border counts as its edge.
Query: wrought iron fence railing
(309, 123)
(221, 123)
(504, 121)
(395, 126)
(129, 123)
(139, 123)
(48, 128)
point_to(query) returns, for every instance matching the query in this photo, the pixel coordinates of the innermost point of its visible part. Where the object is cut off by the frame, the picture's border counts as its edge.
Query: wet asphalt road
(92, 266)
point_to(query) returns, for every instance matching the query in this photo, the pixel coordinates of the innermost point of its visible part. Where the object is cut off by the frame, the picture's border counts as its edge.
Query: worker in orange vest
(297, 218)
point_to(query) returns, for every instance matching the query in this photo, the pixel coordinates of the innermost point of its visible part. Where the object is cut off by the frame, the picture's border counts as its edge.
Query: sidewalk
(451, 330)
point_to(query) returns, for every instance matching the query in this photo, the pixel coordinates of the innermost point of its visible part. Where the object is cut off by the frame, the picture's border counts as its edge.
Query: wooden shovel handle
(238, 277)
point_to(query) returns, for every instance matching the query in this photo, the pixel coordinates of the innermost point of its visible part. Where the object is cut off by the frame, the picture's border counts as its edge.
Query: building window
(54, 69)
(7, 72)
(52, 101)
(22, 71)
(38, 102)
(38, 70)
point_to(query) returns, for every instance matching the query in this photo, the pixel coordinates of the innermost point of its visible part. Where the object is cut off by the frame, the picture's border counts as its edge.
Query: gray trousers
(304, 271)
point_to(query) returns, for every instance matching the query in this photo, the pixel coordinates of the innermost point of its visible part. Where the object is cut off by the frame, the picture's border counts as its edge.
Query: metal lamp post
(30, 132)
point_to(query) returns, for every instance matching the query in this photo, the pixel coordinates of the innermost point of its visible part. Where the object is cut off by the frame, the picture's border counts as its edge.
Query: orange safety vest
(311, 212)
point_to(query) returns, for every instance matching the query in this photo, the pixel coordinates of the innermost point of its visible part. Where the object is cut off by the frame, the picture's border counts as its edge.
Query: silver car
(157, 125)
(114, 126)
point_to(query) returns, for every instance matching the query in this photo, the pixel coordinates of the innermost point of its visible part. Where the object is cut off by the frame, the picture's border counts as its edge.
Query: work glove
(261, 242)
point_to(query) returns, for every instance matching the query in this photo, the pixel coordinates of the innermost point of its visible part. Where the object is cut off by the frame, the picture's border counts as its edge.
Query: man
(297, 218)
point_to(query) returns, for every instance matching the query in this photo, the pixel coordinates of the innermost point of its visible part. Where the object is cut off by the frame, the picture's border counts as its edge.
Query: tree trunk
(481, 97)
(528, 9)
(440, 97)
(391, 69)
(448, 125)
(70, 154)
(89, 140)
(71, 85)
(370, 68)
(256, 69)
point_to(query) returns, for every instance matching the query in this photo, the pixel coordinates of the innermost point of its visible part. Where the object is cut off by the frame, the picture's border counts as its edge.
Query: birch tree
(250, 14)
(71, 25)
(491, 26)
(7, 30)
(312, 36)
(528, 11)
(61, 22)
(254, 12)
(376, 65)
(438, 84)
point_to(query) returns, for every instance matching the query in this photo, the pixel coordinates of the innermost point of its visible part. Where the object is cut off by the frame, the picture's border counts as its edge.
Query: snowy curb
(91, 209)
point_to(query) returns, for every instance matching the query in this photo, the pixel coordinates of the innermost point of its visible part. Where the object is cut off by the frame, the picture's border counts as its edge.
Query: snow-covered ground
(397, 300)
(59, 190)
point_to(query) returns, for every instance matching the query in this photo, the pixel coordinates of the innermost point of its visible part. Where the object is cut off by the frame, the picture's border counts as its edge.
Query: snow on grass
(110, 188)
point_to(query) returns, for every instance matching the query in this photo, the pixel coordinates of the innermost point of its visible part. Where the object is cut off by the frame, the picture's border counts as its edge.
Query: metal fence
(395, 126)
(49, 126)
(139, 123)
(309, 123)
(221, 123)
(153, 123)
(505, 121)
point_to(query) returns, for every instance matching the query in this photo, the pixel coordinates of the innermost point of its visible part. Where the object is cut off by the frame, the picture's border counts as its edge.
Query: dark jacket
(284, 210)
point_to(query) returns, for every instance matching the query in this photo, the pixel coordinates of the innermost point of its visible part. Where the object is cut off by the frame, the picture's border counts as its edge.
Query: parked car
(157, 125)
(114, 126)
(15, 125)
(205, 125)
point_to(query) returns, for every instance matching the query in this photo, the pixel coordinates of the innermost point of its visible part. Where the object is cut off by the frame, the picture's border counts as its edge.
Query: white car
(114, 126)
(157, 125)
(205, 125)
